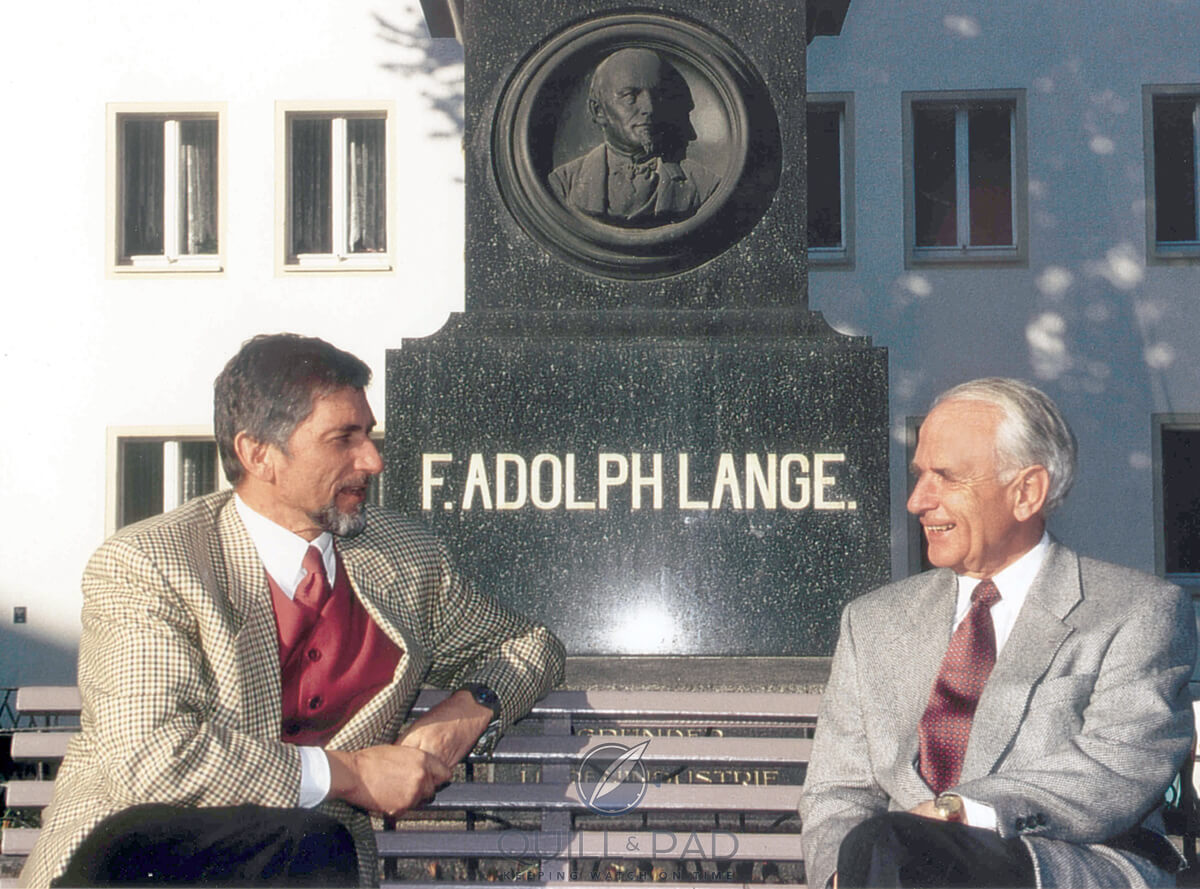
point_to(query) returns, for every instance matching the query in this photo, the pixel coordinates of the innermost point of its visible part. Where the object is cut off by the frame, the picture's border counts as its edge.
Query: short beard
(648, 139)
(338, 523)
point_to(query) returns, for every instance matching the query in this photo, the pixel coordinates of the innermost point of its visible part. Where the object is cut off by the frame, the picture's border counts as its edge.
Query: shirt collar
(1015, 581)
(280, 550)
(617, 156)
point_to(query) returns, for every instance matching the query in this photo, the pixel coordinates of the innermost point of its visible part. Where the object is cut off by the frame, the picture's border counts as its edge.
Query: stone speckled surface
(668, 580)
(566, 379)
(506, 268)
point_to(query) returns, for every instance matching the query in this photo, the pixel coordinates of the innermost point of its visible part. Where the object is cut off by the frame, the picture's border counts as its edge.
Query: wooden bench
(719, 779)
(724, 773)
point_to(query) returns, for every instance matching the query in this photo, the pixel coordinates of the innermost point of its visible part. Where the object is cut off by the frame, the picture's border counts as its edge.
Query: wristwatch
(485, 697)
(949, 806)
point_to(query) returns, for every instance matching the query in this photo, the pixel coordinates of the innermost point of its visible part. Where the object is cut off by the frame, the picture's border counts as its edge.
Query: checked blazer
(1081, 727)
(180, 679)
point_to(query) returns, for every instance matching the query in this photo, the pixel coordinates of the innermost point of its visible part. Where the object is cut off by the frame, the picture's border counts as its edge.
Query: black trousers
(899, 849)
(153, 845)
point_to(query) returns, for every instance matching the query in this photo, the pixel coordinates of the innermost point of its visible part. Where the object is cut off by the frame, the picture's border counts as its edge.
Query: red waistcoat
(331, 663)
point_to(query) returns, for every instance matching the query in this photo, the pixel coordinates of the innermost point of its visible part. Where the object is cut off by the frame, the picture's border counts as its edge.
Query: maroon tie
(946, 724)
(313, 590)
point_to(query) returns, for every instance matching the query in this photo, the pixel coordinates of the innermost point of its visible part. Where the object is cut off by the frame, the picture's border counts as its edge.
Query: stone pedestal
(637, 432)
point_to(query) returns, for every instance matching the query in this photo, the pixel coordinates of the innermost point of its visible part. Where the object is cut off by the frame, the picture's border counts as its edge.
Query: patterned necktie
(946, 724)
(313, 590)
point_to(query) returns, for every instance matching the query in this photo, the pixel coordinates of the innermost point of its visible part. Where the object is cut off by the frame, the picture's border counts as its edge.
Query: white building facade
(1003, 189)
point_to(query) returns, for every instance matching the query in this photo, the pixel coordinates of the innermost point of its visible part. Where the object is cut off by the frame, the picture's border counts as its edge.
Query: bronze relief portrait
(622, 145)
(640, 175)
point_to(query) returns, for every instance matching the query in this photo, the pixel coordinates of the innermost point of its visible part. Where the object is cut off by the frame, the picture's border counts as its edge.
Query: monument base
(651, 482)
(804, 675)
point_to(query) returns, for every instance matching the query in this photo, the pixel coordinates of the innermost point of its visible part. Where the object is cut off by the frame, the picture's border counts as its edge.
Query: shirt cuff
(314, 777)
(979, 814)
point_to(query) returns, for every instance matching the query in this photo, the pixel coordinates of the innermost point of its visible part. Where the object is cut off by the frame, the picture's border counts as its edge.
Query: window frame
(1169, 252)
(1158, 423)
(170, 263)
(1016, 254)
(843, 256)
(170, 437)
(339, 259)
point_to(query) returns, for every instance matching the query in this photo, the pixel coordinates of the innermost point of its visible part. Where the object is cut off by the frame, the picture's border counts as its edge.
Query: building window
(1177, 497)
(1172, 151)
(965, 177)
(336, 200)
(830, 179)
(154, 470)
(165, 189)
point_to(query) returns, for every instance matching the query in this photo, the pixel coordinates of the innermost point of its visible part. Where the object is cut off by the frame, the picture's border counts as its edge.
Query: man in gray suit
(1024, 740)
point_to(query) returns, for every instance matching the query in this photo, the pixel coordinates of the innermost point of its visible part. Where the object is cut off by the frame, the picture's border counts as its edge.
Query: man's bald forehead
(624, 61)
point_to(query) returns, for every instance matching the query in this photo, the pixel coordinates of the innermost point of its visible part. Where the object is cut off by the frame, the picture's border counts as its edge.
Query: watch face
(949, 806)
(484, 696)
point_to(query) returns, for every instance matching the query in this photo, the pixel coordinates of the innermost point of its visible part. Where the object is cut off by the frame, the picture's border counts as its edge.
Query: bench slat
(533, 844)
(548, 749)
(28, 794)
(18, 840)
(700, 705)
(48, 700)
(693, 751)
(40, 745)
(670, 797)
(64, 700)
(776, 798)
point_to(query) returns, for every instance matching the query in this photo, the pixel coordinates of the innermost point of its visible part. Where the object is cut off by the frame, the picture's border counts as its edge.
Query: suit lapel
(1036, 637)
(917, 645)
(370, 578)
(591, 185)
(256, 643)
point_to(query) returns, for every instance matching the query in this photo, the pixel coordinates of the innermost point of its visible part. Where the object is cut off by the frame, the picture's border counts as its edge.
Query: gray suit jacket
(1082, 725)
(180, 678)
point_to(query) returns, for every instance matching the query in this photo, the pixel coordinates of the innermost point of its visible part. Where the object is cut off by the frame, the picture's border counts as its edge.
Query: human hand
(927, 810)
(389, 779)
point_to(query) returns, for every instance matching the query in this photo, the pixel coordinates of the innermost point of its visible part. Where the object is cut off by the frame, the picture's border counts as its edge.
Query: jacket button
(315, 702)
(314, 654)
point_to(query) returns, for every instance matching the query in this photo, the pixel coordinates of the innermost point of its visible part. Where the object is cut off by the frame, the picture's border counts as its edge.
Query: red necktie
(946, 724)
(313, 590)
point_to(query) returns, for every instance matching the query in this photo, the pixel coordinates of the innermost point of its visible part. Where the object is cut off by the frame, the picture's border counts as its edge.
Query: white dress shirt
(281, 553)
(1013, 583)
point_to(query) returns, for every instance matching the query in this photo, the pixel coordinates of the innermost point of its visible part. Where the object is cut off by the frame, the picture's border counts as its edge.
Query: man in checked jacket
(245, 679)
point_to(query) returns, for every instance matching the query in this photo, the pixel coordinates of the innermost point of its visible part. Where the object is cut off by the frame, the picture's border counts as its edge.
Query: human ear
(1031, 486)
(257, 458)
(597, 112)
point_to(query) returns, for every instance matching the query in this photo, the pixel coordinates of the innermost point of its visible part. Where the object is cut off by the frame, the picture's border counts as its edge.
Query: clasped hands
(393, 778)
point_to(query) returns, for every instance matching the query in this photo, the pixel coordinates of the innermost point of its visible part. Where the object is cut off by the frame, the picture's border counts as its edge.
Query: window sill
(327, 262)
(1175, 251)
(829, 257)
(169, 265)
(965, 256)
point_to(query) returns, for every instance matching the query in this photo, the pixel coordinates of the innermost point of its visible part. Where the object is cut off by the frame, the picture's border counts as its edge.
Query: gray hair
(267, 390)
(1031, 432)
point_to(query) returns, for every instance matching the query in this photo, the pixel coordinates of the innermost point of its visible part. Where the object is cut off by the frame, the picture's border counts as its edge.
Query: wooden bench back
(722, 777)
